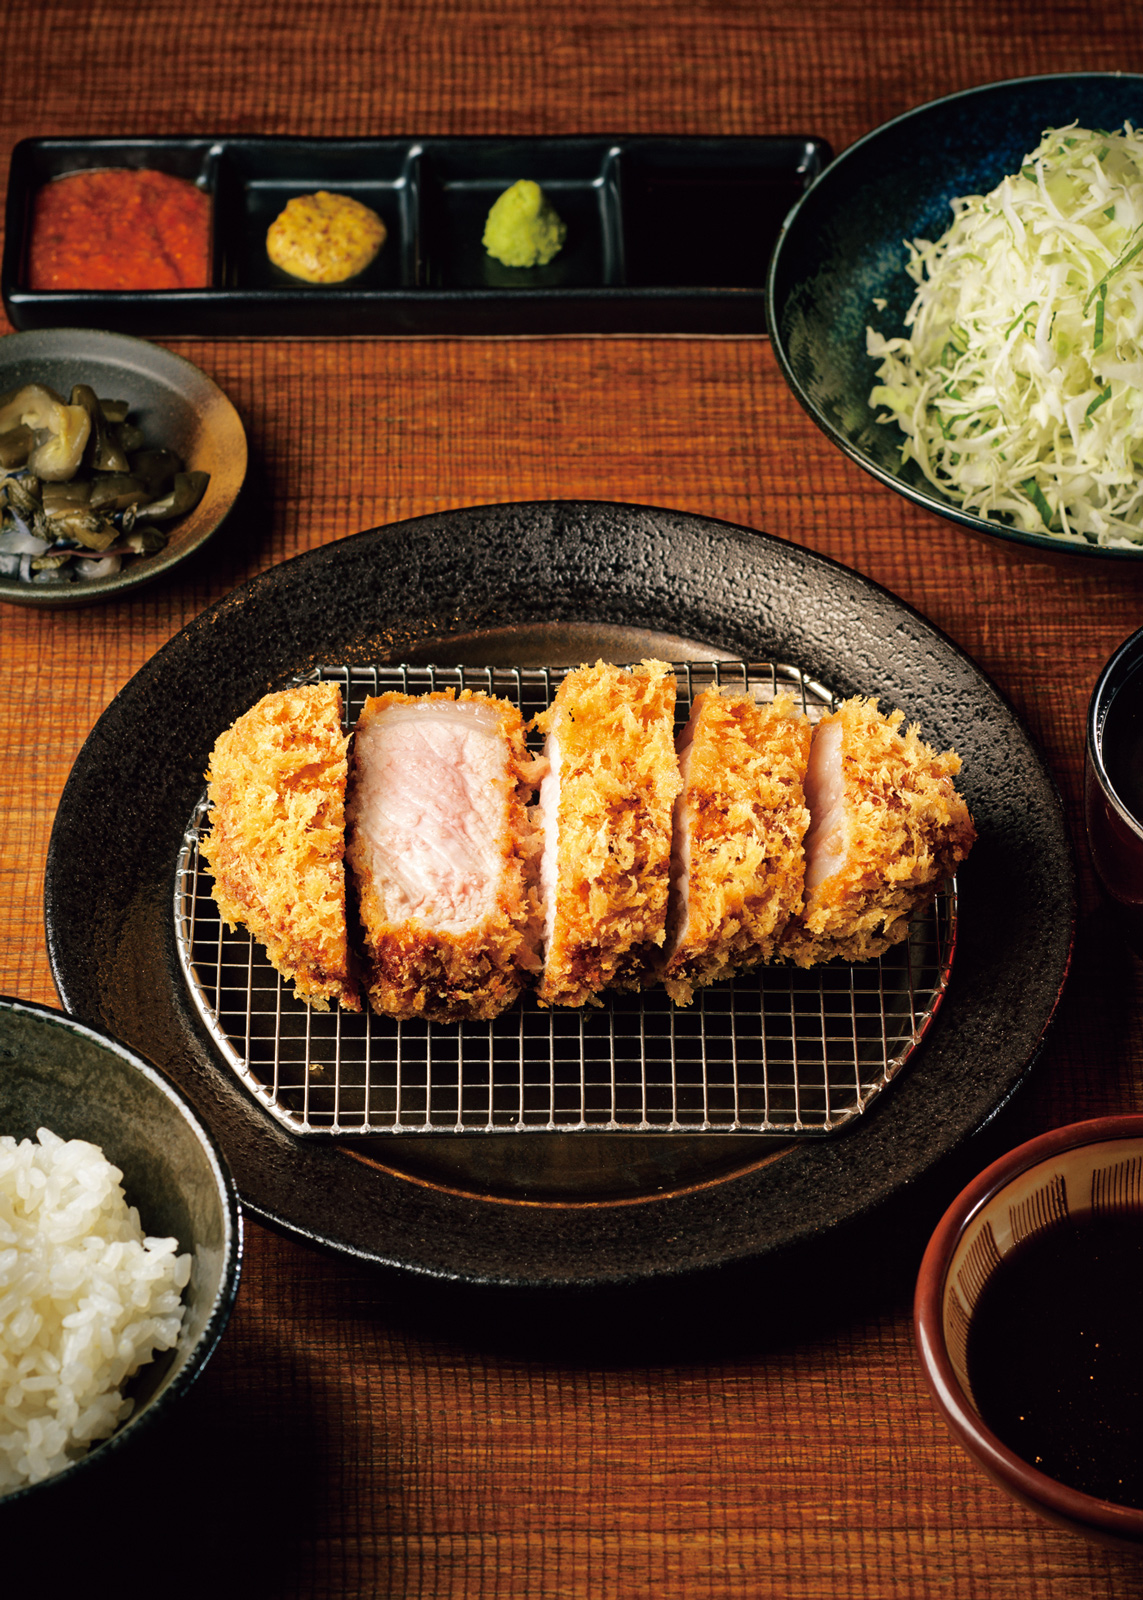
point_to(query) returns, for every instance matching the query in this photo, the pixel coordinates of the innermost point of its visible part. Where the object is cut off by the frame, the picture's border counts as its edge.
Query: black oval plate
(559, 578)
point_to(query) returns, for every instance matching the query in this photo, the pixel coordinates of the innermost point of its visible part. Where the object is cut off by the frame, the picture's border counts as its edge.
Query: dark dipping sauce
(1055, 1353)
(118, 228)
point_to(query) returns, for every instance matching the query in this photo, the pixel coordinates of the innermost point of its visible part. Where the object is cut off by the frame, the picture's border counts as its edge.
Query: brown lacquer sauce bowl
(1080, 1177)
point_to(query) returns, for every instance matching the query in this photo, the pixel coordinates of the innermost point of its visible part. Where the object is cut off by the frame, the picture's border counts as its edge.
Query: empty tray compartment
(707, 212)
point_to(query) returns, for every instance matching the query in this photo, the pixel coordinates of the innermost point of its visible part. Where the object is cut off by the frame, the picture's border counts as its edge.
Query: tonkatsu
(605, 810)
(276, 788)
(887, 827)
(739, 825)
(442, 854)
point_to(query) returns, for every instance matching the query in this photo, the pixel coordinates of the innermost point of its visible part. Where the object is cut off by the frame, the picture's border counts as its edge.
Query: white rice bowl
(86, 1299)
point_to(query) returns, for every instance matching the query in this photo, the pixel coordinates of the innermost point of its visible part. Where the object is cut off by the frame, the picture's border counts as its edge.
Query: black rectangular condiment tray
(665, 235)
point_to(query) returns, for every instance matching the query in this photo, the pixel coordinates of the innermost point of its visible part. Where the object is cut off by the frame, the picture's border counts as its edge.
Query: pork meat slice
(739, 824)
(276, 784)
(441, 851)
(605, 810)
(887, 828)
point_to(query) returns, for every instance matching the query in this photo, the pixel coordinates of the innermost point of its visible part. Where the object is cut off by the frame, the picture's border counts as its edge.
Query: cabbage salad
(1019, 385)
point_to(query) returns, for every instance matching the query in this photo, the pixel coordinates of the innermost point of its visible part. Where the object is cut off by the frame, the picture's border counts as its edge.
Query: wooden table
(340, 1444)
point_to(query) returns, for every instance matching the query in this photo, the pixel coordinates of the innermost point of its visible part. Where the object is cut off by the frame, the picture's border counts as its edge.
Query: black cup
(1113, 785)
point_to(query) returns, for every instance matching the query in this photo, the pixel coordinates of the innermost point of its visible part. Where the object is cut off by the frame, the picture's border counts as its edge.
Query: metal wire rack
(778, 1051)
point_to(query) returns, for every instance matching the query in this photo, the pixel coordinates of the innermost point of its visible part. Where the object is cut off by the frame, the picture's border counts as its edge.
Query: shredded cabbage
(1020, 385)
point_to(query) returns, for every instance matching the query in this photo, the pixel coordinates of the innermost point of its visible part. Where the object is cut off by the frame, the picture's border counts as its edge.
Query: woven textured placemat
(336, 1447)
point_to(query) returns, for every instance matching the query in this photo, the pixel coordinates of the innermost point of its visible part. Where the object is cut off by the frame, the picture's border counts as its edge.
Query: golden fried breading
(739, 826)
(606, 809)
(442, 852)
(887, 828)
(276, 784)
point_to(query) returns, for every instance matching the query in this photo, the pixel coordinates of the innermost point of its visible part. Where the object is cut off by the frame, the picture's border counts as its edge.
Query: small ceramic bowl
(175, 405)
(83, 1084)
(1094, 1166)
(1113, 785)
(839, 264)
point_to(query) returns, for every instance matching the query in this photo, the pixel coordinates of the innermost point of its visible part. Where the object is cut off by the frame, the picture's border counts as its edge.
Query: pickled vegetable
(80, 490)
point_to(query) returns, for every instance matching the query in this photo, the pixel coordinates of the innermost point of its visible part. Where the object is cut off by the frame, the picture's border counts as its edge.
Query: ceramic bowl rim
(195, 387)
(928, 498)
(1124, 662)
(204, 1347)
(1034, 1488)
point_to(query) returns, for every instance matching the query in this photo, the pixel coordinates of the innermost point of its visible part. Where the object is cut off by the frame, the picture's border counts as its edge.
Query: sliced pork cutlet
(739, 824)
(276, 786)
(442, 854)
(605, 809)
(887, 828)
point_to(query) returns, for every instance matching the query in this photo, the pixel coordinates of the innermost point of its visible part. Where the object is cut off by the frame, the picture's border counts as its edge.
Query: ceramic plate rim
(178, 376)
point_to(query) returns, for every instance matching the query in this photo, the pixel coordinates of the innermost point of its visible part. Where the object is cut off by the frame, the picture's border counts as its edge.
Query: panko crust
(324, 238)
(416, 971)
(618, 780)
(909, 830)
(276, 786)
(744, 802)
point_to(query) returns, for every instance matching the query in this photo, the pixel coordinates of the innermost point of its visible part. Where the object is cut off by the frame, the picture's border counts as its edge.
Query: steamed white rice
(85, 1300)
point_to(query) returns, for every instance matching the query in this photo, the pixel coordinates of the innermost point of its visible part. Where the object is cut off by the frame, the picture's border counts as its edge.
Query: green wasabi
(523, 229)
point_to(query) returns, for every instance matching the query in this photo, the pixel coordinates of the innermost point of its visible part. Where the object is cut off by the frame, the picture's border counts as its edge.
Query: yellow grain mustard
(324, 238)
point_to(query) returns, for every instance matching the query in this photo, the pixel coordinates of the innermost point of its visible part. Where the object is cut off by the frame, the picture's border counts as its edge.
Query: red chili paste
(113, 228)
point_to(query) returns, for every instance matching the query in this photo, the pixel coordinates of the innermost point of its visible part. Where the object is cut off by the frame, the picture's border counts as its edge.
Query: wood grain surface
(341, 1443)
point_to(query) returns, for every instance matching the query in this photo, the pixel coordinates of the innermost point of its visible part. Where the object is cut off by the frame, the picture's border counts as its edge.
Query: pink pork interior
(432, 798)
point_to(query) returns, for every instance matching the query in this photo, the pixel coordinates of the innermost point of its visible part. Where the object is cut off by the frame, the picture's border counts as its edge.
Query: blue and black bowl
(843, 247)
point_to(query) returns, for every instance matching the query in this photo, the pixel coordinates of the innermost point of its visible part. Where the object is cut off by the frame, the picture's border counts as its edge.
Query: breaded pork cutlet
(443, 854)
(739, 825)
(887, 827)
(276, 785)
(605, 808)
